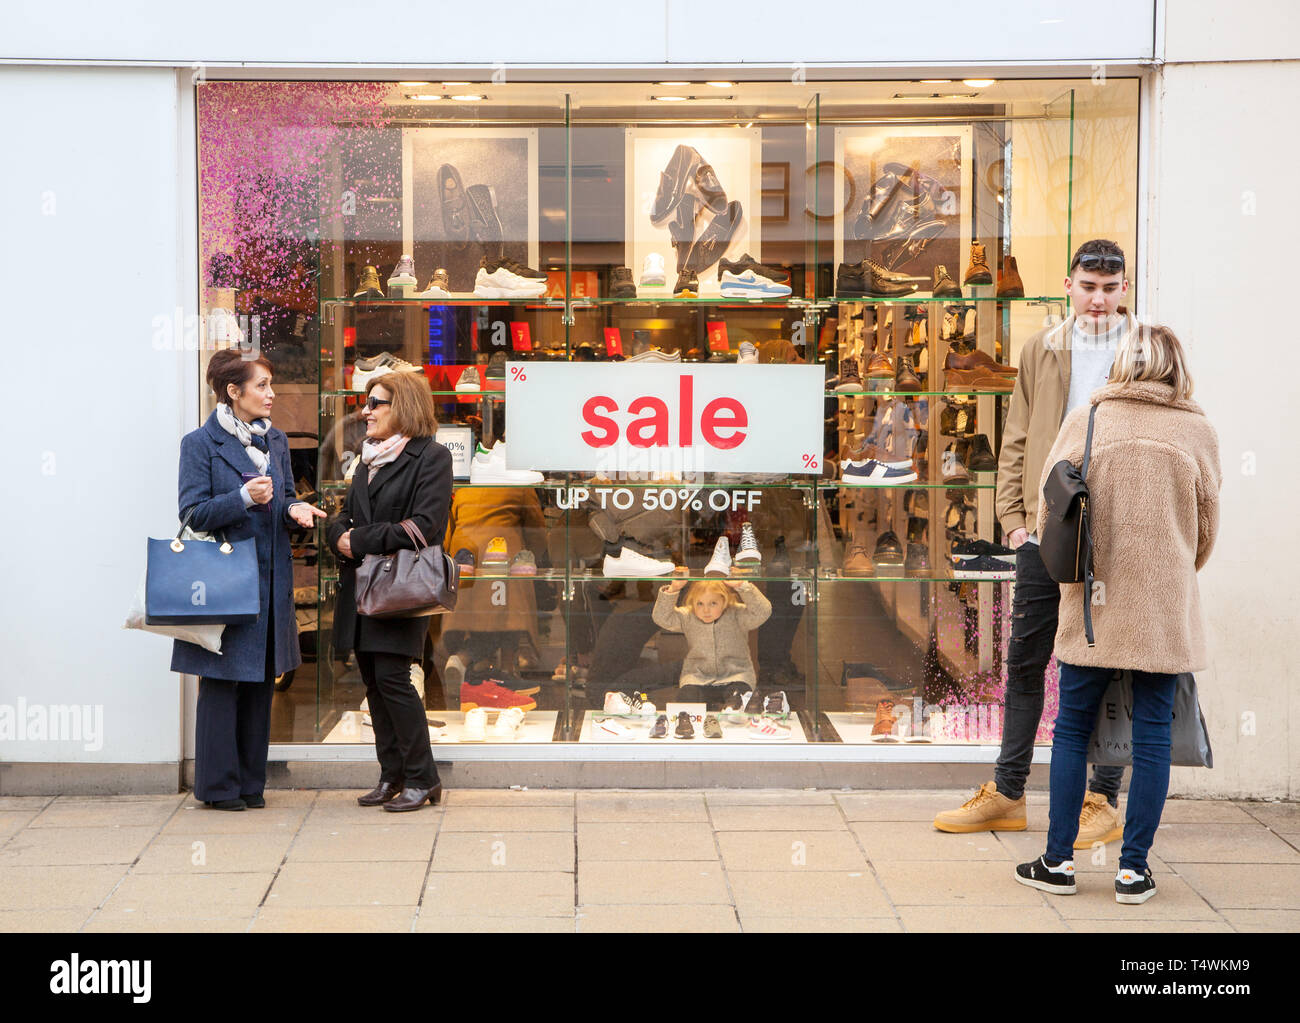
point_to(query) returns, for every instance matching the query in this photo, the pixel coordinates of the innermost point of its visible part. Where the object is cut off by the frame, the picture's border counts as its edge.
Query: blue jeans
(1153, 714)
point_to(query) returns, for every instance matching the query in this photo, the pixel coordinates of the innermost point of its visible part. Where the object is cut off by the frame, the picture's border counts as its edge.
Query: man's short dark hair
(1098, 247)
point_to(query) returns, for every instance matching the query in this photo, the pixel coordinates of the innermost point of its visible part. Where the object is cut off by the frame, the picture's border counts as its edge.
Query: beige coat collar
(1148, 391)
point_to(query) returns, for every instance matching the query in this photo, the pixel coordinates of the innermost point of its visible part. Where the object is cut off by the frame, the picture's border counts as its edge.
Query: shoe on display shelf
(653, 274)
(954, 472)
(746, 262)
(1098, 822)
(857, 562)
(884, 723)
(365, 370)
(628, 564)
(979, 456)
(403, 275)
(453, 672)
(977, 360)
(496, 367)
(469, 381)
(719, 566)
(780, 565)
(495, 280)
(907, 376)
(524, 563)
(712, 727)
(874, 474)
(880, 371)
(489, 466)
(368, 287)
(465, 562)
(1132, 888)
(628, 704)
(848, 381)
(655, 355)
(888, 549)
(873, 452)
(684, 729)
(660, 728)
(983, 567)
(750, 284)
(438, 286)
(977, 271)
(687, 286)
(506, 726)
(621, 284)
(776, 705)
(1009, 283)
(918, 560)
(610, 730)
(496, 552)
(766, 729)
(475, 728)
(523, 270)
(493, 695)
(749, 559)
(1055, 878)
(964, 550)
(748, 355)
(944, 286)
(959, 381)
(987, 810)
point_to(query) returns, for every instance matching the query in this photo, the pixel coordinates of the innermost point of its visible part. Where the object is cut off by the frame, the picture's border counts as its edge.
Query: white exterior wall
(113, 147)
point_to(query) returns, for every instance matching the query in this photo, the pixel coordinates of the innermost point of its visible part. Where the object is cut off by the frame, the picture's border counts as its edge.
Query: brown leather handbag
(406, 583)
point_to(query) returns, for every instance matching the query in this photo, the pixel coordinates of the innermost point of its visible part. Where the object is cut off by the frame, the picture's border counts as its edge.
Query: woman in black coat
(405, 474)
(235, 477)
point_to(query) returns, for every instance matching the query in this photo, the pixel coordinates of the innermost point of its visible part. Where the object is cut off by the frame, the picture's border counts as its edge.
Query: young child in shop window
(716, 619)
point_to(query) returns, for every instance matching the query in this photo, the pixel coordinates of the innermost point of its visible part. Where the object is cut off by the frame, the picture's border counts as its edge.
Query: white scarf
(377, 453)
(232, 424)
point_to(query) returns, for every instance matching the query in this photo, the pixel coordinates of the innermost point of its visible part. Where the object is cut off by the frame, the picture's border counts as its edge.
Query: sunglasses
(373, 403)
(1106, 264)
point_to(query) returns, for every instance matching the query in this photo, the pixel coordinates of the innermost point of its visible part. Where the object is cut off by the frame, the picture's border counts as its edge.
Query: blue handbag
(199, 582)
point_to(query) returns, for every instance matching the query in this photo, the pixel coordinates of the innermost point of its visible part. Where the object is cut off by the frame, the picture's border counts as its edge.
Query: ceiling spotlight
(468, 98)
(669, 99)
(414, 83)
(424, 97)
(672, 83)
(979, 83)
(720, 85)
(935, 81)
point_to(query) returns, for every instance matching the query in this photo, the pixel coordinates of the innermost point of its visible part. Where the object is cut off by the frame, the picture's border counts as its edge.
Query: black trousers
(232, 731)
(1034, 613)
(397, 714)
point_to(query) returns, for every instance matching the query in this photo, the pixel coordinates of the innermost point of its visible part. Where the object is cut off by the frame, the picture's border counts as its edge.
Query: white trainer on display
(503, 283)
(469, 380)
(631, 565)
(652, 271)
(719, 566)
(366, 370)
(475, 729)
(750, 285)
(609, 730)
(748, 354)
(490, 467)
(506, 726)
(655, 355)
(403, 274)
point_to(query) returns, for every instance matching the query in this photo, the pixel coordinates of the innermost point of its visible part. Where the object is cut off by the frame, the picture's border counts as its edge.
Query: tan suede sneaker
(987, 810)
(1098, 822)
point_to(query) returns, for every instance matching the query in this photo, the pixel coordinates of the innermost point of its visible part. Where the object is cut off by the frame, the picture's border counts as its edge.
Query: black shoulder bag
(1066, 541)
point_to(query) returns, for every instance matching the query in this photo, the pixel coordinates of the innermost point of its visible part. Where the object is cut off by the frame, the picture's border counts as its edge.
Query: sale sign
(665, 417)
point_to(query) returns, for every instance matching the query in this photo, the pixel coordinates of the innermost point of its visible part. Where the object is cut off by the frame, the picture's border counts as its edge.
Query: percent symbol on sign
(810, 461)
(517, 373)
(688, 496)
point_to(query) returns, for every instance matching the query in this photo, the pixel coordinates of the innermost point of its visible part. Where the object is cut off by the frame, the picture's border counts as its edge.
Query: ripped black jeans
(1034, 613)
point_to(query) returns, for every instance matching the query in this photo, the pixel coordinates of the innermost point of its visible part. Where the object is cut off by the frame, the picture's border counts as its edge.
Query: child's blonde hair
(704, 587)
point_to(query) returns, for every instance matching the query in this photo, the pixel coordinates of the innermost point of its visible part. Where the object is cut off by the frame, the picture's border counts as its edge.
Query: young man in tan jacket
(1060, 367)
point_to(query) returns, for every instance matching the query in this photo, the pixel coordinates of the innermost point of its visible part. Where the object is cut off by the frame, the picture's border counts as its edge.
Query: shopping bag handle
(178, 545)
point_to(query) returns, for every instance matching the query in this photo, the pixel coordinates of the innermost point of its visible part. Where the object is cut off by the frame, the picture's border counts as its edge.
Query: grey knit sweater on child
(718, 653)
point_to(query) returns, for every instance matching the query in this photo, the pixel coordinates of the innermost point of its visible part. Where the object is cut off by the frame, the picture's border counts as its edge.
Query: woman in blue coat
(235, 477)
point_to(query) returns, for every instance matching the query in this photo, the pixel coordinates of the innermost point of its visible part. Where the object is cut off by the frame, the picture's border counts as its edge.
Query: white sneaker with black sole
(1057, 879)
(719, 566)
(1132, 888)
(500, 282)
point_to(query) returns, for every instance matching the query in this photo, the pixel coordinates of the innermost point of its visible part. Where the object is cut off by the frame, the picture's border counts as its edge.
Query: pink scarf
(375, 455)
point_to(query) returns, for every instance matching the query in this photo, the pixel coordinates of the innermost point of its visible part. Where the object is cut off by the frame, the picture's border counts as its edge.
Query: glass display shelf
(484, 395)
(554, 484)
(590, 575)
(840, 485)
(454, 300)
(940, 300)
(788, 301)
(830, 575)
(914, 394)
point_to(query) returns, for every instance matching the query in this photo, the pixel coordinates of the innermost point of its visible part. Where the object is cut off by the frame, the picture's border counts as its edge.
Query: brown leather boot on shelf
(907, 377)
(976, 359)
(879, 367)
(884, 718)
(961, 381)
(857, 561)
(1009, 283)
(978, 271)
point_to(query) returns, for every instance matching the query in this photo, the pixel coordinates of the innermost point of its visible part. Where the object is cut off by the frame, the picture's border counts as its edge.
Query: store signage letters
(664, 417)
